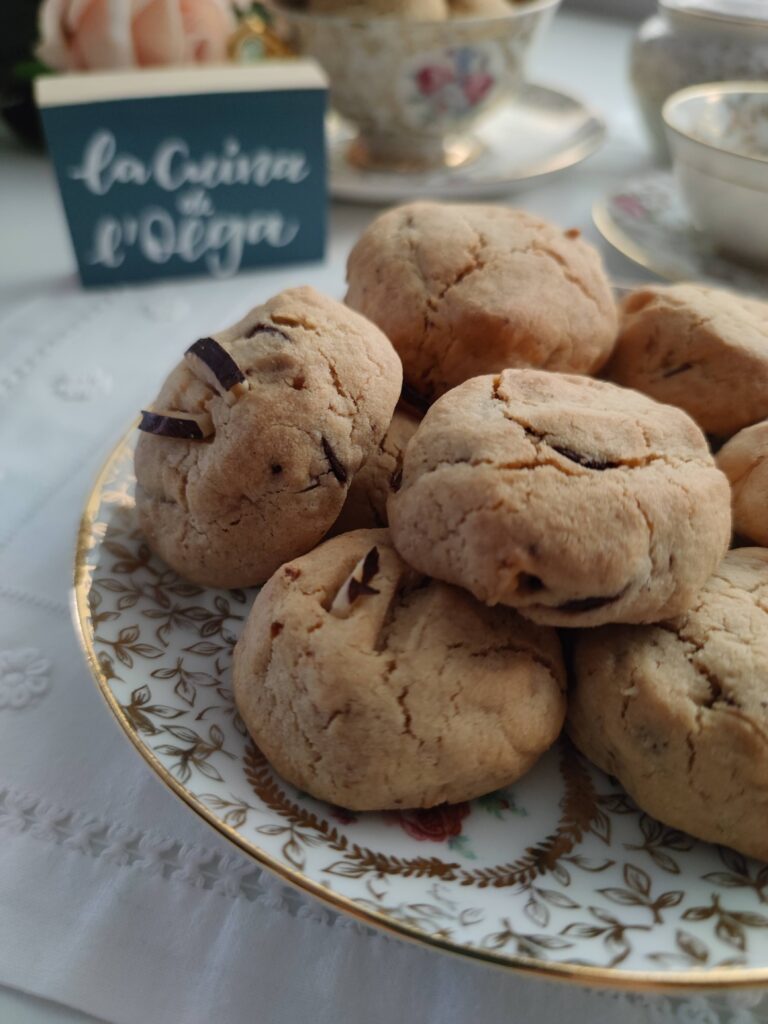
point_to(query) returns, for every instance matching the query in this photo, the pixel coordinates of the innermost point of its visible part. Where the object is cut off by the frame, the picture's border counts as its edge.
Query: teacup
(414, 89)
(718, 134)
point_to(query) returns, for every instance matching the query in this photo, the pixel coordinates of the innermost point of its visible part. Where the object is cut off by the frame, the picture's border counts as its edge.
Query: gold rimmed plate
(646, 221)
(542, 131)
(560, 874)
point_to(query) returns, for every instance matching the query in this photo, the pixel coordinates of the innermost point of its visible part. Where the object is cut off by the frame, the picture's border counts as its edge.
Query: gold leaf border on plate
(579, 810)
(583, 974)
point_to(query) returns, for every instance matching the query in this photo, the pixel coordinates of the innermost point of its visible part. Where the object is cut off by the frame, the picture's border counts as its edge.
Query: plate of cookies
(448, 603)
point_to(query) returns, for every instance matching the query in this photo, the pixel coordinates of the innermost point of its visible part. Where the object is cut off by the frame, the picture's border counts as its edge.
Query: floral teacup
(718, 134)
(415, 88)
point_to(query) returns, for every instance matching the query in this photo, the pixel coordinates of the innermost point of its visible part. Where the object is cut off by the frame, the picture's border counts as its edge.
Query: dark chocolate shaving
(587, 461)
(678, 369)
(529, 584)
(180, 427)
(219, 362)
(588, 604)
(412, 397)
(337, 468)
(266, 329)
(370, 565)
(356, 589)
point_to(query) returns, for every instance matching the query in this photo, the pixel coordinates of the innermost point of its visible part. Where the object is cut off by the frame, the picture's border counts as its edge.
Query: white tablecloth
(114, 898)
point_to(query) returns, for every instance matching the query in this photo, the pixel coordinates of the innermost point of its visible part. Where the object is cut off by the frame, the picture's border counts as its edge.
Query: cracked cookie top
(371, 686)
(463, 290)
(308, 391)
(702, 349)
(744, 460)
(571, 499)
(678, 712)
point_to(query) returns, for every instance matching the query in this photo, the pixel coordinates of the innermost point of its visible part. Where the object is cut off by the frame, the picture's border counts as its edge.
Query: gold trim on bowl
(612, 233)
(606, 977)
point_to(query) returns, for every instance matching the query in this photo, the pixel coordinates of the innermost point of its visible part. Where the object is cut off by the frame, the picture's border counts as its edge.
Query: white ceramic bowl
(413, 87)
(718, 135)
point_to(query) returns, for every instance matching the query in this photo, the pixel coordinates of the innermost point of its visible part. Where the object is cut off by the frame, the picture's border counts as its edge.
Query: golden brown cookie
(678, 712)
(702, 349)
(744, 460)
(257, 434)
(366, 504)
(571, 499)
(370, 686)
(463, 290)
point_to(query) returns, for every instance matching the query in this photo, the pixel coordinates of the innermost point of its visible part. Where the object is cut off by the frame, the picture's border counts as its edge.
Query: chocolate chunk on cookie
(702, 349)
(262, 431)
(366, 504)
(678, 712)
(373, 687)
(571, 499)
(464, 289)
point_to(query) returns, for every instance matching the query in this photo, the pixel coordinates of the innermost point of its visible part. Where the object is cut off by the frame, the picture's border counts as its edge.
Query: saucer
(647, 222)
(541, 132)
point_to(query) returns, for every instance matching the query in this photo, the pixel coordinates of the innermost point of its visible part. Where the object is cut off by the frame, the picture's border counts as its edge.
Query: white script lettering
(172, 167)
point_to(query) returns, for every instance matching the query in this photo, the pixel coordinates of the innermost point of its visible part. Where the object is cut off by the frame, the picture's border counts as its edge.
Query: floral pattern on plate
(646, 221)
(454, 81)
(561, 872)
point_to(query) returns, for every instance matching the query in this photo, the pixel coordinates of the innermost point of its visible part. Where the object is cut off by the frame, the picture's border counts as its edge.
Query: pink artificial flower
(87, 34)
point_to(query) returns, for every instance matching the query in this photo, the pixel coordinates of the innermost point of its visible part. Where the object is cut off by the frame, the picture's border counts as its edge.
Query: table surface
(584, 55)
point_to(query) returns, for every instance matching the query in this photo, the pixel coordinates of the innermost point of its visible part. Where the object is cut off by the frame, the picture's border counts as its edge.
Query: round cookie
(281, 447)
(678, 712)
(702, 349)
(366, 504)
(744, 460)
(372, 687)
(569, 498)
(462, 290)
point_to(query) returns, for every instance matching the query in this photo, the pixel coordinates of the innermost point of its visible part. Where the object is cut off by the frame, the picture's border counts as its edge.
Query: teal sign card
(189, 170)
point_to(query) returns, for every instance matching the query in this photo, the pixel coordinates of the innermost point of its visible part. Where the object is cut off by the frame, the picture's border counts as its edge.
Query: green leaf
(461, 845)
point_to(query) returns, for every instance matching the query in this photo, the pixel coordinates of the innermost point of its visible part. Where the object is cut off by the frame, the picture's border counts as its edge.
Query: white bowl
(412, 87)
(718, 134)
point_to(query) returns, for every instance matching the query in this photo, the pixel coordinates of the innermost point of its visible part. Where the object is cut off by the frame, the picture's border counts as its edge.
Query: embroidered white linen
(114, 898)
